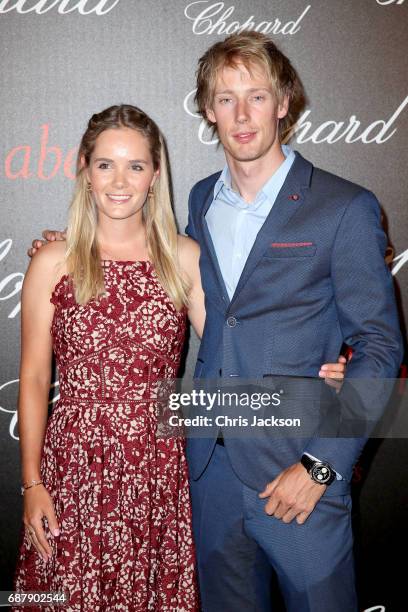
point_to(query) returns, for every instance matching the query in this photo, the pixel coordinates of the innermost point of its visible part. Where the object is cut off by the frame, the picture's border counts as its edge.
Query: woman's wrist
(30, 484)
(29, 475)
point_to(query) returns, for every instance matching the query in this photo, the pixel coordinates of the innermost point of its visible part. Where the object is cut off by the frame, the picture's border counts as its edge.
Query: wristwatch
(319, 471)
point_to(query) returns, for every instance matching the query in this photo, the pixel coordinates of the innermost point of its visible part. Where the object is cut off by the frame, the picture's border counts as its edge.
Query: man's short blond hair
(253, 50)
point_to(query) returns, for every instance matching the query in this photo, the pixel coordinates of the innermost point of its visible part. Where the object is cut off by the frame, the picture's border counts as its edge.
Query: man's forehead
(244, 74)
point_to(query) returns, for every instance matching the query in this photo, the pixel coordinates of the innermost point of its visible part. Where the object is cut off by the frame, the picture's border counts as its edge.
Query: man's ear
(210, 115)
(283, 107)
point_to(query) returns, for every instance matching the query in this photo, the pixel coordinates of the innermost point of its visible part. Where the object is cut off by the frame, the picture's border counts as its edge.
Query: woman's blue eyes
(106, 166)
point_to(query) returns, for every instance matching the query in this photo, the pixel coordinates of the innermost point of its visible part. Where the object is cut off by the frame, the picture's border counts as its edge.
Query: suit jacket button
(231, 321)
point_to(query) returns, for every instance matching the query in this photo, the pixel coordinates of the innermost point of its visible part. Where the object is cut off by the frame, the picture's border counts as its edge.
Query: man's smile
(244, 137)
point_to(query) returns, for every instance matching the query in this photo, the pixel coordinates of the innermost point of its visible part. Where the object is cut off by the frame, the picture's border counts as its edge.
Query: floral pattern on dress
(120, 490)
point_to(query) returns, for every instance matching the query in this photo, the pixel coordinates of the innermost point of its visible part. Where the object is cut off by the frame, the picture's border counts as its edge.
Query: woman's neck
(123, 239)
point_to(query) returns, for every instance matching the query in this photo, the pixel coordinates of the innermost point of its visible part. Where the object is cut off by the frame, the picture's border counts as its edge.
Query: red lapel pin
(294, 197)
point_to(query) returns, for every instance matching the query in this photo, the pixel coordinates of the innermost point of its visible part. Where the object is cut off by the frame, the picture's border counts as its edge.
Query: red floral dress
(120, 490)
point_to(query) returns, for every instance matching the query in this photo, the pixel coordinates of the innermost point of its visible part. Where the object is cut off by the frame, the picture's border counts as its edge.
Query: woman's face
(120, 172)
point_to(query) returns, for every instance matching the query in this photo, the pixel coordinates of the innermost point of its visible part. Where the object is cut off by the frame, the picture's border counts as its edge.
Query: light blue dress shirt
(234, 224)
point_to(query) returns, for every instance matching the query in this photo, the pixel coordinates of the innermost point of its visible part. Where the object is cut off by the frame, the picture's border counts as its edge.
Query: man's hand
(333, 373)
(49, 236)
(292, 494)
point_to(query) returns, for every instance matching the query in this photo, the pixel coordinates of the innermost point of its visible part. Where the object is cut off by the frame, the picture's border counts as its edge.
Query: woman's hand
(37, 506)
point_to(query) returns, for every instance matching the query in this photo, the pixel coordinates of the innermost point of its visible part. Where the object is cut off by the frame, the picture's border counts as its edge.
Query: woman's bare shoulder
(48, 263)
(189, 256)
(187, 247)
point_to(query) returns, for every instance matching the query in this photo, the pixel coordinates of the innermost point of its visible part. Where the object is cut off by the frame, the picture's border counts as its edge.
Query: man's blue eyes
(254, 98)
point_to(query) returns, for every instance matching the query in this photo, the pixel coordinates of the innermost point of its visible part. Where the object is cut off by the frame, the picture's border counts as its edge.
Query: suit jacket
(315, 278)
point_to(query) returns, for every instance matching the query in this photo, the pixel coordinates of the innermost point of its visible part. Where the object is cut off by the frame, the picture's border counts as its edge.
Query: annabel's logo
(84, 7)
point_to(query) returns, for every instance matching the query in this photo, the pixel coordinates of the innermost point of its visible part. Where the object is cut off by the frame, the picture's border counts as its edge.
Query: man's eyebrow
(251, 90)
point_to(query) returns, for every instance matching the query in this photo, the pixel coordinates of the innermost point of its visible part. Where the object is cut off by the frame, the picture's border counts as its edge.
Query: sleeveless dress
(120, 491)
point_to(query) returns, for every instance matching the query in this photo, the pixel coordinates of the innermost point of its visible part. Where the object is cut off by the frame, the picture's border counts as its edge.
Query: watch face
(321, 473)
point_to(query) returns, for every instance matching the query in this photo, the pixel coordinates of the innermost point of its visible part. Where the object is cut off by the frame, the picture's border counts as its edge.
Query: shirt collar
(271, 188)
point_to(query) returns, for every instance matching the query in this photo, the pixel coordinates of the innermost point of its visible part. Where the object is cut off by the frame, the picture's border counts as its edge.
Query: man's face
(246, 112)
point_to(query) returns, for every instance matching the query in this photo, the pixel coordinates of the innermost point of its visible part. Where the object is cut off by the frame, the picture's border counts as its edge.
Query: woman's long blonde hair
(83, 256)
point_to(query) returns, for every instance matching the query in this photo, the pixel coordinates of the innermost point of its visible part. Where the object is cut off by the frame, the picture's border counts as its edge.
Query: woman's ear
(83, 166)
(155, 177)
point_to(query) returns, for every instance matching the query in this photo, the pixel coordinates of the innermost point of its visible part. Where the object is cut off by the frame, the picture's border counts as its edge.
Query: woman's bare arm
(35, 378)
(189, 256)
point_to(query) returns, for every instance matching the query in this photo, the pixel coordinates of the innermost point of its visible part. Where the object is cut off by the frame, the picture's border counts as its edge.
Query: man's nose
(242, 112)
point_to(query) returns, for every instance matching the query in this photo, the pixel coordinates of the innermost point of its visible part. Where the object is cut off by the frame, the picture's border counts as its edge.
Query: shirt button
(231, 321)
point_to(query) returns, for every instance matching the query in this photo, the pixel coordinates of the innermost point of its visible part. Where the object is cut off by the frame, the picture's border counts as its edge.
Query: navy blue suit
(315, 278)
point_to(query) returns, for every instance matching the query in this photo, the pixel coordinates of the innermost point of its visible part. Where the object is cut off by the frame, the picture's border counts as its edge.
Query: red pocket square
(289, 245)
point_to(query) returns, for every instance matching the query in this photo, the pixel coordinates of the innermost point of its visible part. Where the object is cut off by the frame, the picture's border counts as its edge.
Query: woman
(115, 497)
(106, 500)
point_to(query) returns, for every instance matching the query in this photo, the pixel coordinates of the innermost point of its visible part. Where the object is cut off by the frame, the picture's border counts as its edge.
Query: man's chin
(246, 156)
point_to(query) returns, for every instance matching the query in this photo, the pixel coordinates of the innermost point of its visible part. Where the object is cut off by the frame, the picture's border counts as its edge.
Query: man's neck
(248, 177)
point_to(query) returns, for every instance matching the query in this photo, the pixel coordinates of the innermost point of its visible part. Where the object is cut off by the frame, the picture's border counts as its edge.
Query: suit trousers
(239, 546)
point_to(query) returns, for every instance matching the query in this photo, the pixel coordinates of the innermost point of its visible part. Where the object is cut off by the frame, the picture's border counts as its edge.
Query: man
(279, 241)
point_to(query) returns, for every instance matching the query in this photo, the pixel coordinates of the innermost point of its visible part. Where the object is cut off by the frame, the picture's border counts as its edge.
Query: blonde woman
(115, 497)
(106, 502)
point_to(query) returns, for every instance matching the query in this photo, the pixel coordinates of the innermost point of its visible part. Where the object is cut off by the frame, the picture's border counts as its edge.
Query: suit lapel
(288, 201)
(211, 250)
